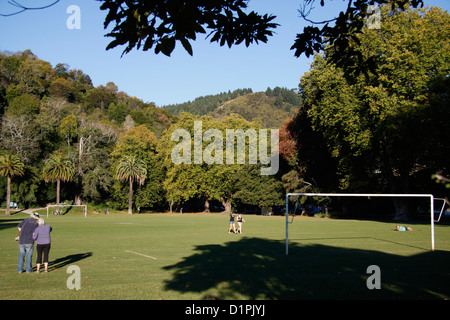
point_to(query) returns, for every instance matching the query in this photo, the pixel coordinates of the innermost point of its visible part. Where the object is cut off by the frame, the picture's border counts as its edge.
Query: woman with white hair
(42, 237)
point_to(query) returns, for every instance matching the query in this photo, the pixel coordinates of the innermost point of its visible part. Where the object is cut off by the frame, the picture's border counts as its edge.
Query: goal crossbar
(68, 205)
(366, 195)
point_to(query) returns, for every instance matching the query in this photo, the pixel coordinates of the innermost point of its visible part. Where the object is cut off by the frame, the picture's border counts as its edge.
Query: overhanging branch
(23, 8)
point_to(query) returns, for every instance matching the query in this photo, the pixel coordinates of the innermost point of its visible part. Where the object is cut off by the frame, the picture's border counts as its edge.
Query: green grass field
(191, 256)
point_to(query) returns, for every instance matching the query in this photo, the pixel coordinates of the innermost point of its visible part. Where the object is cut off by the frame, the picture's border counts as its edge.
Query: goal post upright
(367, 195)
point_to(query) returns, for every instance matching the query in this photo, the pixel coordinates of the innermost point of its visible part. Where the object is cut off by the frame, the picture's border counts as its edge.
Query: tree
(182, 181)
(378, 127)
(34, 75)
(160, 24)
(62, 88)
(212, 177)
(95, 142)
(10, 165)
(252, 188)
(25, 104)
(21, 135)
(68, 128)
(341, 33)
(21, 8)
(101, 97)
(141, 143)
(58, 168)
(132, 169)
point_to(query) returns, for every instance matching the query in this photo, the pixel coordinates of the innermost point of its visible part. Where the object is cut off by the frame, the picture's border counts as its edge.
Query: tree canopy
(10, 165)
(94, 128)
(160, 24)
(385, 130)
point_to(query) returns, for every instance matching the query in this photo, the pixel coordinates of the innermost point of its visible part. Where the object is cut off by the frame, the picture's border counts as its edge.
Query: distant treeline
(207, 104)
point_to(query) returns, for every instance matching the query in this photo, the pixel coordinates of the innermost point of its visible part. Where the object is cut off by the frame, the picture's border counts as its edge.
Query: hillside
(53, 116)
(31, 86)
(272, 107)
(205, 104)
(255, 106)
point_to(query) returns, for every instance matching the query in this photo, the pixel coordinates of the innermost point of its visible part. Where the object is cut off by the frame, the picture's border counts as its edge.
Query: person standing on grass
(26, 228)
(232, 225)
(42, 237)
(239, 221)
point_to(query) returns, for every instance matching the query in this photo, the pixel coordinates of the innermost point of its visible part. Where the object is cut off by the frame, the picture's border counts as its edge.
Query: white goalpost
(69, 205)
(367, 195)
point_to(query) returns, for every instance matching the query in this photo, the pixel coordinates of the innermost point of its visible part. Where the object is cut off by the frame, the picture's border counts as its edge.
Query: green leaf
(186, 45)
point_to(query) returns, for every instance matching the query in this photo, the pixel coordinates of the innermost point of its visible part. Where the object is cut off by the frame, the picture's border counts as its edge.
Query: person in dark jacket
(26, 228)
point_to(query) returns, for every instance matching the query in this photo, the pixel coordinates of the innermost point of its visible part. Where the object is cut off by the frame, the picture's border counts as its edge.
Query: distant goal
(68, 205)
(367, 195)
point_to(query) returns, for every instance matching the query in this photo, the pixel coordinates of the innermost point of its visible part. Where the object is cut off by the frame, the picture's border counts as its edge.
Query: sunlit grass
(192, 256)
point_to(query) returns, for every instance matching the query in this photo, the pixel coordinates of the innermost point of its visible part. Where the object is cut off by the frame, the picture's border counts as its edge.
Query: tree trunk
(77, 199)
(58, 185)
(400, 185)
(206, 206)
(130, 198)
(401, 209)
(8, 195)
(226, 204)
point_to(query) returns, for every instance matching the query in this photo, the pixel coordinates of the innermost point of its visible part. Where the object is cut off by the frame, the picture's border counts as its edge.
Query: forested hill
(205, 104)
(53, 117)
(31, 87)
(272, 107)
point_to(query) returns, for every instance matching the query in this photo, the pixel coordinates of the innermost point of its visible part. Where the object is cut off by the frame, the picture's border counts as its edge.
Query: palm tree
(10, 165)
(58, 168)
(132, 169)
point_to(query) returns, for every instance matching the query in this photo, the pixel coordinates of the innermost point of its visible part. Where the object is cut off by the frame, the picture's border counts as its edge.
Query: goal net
(429, 197)
(57, 207)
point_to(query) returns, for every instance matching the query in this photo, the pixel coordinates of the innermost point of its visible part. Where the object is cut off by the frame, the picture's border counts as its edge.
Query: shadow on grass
(10, 223)
(64, 261)
(254, 268)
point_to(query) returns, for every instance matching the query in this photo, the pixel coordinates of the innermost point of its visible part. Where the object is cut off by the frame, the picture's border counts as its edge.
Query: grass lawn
(191, 256)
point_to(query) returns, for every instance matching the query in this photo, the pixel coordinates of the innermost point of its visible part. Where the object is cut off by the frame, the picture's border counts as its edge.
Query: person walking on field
(232, 225)
(42, 237)
(239, 221)
(26, 228)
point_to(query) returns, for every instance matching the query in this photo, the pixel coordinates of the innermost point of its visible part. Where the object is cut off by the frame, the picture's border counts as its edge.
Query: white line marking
(140, 254)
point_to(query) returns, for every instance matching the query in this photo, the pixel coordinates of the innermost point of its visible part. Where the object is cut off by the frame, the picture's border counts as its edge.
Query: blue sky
(157, 78)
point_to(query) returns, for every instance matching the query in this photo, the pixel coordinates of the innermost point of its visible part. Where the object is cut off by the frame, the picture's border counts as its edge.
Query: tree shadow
(10, 223)
(64, 261)
(254, 268)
